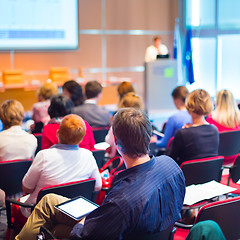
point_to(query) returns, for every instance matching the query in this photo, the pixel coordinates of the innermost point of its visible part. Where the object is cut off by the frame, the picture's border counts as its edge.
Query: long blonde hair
(226, 112)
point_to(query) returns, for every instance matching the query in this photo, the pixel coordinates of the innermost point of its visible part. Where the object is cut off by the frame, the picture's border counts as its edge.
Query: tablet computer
(77, 208)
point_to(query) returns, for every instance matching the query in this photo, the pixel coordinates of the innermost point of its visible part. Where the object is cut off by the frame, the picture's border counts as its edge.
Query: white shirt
(152, 52)
(15, 143)
(59, 164)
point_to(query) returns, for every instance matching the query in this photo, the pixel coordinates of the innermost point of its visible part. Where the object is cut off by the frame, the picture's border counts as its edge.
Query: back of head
(60, 106)
(131, 100)
(132, 130)
(72, 129)
(75, 92)
(199, 102)
(92, 89)
(48, 90)
(181, 93)
(11, 113)
(124, 88)
(227, 112)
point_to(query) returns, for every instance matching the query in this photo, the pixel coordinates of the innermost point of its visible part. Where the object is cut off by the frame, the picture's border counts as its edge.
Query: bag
(107, 177)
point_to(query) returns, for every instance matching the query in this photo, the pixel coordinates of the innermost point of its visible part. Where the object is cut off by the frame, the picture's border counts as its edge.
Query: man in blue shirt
(176, 121)
(145, 198)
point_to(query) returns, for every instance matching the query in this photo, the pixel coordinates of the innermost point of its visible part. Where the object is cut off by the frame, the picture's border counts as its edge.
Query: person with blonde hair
(15, 143)
(199, 139)
(129, 100)
(40, 109)
(226, 116)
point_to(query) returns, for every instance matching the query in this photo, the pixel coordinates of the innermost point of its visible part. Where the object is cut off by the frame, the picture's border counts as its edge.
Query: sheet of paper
(101, 146)
(197, 193)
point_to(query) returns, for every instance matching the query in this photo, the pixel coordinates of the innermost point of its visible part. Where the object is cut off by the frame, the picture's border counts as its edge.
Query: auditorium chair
(11, 175)
(225, 213)
(100, 133)
(84, 188)
(229, 145)
(99, 157)
(39, 142)
(203, 170)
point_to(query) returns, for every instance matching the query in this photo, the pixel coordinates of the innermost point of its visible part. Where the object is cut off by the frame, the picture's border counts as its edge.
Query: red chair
(203, 170)
(99, 157)
(84, 188)
(234, 175)
(39, 142)
(229, 145)
(100, 133)
(11, 175)
(225, 213)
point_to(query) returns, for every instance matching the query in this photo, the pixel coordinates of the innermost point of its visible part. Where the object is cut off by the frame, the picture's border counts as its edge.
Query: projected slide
(38, 24)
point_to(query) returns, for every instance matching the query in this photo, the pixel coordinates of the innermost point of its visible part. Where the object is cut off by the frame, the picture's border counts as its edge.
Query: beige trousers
(45, 214)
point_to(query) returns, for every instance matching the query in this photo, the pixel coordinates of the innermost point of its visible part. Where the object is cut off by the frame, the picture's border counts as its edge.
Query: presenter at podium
(157, 49)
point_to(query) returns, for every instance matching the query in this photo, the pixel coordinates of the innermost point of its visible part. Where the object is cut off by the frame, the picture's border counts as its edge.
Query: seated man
(95, 115)
(147, 197)
(62, 163)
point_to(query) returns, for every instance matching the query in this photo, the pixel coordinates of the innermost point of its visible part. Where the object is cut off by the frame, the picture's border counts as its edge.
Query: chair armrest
(182, 225)
(8, 203)
(25, 205)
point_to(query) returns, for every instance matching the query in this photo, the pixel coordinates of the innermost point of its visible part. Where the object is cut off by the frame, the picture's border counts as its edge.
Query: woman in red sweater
(60, 106)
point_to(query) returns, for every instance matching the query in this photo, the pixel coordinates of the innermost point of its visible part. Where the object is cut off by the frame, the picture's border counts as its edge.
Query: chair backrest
(100, 134)
(200, 171)
(235, 170)
(99, 156)
(11, 175)
(39, 142)
(152, 148)
(84, 188)
(229, 143)
(167, 234)
(226, 214)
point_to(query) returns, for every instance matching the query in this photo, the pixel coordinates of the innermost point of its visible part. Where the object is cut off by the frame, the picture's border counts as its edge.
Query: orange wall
(121, 50)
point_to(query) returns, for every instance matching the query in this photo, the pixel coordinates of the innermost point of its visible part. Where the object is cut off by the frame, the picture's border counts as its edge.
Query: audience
(62, 163)
(145, 198)
(95, 115)
(124, 88)
(74, 91)
(40, 114)
(176, 121)
(129, 100)
(199, 139)
(15, 143)
(226, 116)
(59, 107)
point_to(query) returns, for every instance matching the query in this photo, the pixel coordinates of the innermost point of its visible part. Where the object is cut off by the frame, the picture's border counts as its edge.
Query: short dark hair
(75, 91)
(180, 92)
(60, 106)
(92, 89)
(132, 130)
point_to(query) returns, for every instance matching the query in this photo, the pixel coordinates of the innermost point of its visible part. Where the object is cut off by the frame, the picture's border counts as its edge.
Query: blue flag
(188, 58)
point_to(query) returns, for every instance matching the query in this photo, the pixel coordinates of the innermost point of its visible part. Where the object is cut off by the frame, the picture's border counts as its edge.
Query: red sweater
(49, 136)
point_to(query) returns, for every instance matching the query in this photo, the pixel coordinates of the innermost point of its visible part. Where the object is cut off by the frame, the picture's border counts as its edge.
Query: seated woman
(199, 139)
(62, 163)
(15, 143)
(129, 100)
(73, 90)
(226, 116)
(60, 106)
(40, 109)
(177, 120)
(124, 88)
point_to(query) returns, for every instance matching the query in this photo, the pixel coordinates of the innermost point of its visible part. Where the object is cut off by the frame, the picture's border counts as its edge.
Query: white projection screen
(38, 24)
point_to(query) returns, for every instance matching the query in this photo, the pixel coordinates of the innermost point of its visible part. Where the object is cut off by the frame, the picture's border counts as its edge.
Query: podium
(159, 81)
